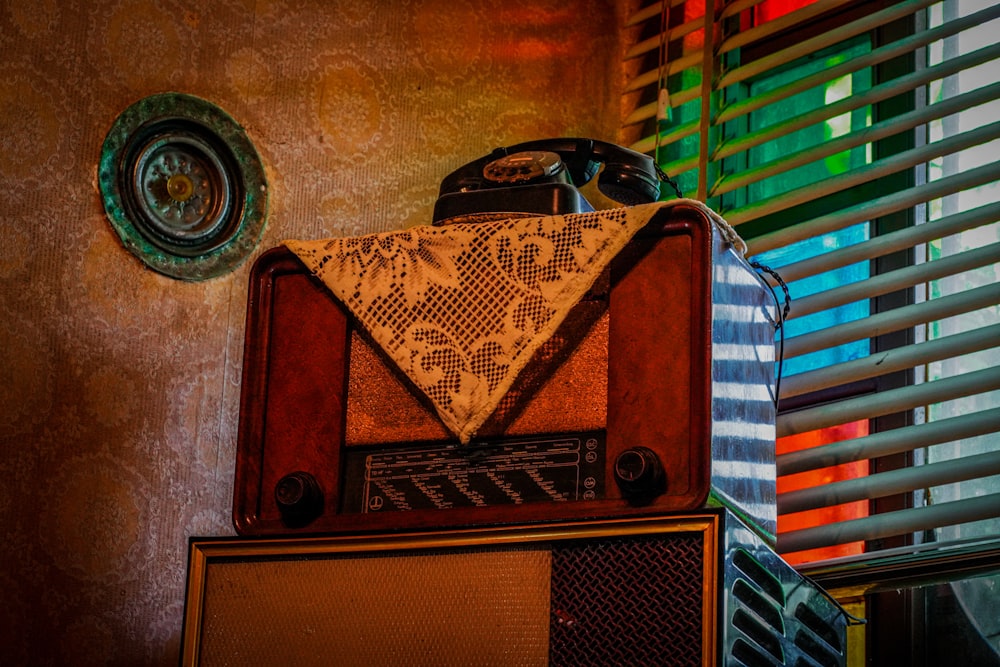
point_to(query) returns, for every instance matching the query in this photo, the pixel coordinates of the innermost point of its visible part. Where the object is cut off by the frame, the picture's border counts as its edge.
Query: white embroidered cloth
(461, 308)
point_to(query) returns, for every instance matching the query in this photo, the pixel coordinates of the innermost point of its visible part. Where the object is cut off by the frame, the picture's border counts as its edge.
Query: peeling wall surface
(119, 387)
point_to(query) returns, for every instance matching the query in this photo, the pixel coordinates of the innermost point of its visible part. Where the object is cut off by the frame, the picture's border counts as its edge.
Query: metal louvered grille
(775, 620)
(628, 602)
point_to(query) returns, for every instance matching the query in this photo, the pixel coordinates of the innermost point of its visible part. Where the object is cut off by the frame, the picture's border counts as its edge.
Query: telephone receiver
(543, 178)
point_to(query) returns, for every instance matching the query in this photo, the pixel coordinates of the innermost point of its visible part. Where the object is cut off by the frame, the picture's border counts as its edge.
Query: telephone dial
(542, 178)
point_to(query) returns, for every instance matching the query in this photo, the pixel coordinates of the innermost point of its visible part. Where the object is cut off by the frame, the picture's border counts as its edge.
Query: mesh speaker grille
(457, 608)
(628, 602)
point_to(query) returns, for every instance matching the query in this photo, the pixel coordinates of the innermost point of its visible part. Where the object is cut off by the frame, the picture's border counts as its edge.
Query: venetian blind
(834, 152)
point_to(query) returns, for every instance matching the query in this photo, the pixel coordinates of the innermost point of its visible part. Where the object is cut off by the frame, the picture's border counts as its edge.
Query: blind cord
(779, 324)
(664, 178)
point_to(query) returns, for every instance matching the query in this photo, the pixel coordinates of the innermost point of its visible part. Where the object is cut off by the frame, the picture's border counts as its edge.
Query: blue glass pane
(797, 326)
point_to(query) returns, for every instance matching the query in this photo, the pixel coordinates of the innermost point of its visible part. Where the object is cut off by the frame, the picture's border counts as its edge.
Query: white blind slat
(888, 402)
(886, 443)
(869, 210)
(894, 320)
(731, 9)
(650, 77)
(891, 361)
(648, 144)
(889, 483)
(649, 12)
(884, 283)
(873, 95)
(810, 46)
(801, 15)
(876, 132)
(879, 246)
(657, 41)
(648, 111)
(869, 172)
(892, 523)
(835, 71)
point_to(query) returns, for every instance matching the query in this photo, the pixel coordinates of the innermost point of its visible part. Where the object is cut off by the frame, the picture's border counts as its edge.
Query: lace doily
(461, 309)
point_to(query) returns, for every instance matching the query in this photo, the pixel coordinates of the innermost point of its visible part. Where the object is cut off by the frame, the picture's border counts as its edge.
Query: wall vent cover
(183, 186)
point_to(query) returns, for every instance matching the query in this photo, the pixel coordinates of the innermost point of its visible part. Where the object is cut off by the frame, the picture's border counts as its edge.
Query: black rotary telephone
(542, 178)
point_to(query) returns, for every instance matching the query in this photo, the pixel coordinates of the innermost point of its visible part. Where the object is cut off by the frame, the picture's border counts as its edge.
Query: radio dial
(639, 474)
(522, 167)
(299, 498)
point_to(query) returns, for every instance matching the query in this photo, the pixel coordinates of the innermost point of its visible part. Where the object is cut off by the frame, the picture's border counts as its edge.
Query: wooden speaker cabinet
(696, 589)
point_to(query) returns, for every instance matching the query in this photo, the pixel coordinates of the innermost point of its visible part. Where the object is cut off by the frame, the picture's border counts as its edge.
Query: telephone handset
(542, 178)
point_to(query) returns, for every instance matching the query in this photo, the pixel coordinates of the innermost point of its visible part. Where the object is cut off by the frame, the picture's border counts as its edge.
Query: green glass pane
(791, 142)
(786, 111)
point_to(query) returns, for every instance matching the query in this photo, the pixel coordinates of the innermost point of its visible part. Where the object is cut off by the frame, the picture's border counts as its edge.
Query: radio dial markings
(509, 472)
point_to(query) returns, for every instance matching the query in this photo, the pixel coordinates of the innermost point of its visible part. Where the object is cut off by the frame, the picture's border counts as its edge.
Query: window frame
(882, 224)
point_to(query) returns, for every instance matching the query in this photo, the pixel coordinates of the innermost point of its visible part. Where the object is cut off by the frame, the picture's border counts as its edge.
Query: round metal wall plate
(183, 186)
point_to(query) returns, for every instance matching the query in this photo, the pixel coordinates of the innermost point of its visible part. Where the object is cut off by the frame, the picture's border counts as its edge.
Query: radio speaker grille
(627, 602)
(454, 608)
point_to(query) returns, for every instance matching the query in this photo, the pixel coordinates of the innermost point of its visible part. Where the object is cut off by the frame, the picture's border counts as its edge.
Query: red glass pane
(772, 9)
(815, 478)
(694, 9)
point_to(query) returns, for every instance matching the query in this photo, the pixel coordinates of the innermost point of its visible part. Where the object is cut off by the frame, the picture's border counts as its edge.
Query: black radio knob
(640, 474)
(299, 498)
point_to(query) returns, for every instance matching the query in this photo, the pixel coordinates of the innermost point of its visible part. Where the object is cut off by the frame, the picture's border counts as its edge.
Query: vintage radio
(654, 396)
(680, 590)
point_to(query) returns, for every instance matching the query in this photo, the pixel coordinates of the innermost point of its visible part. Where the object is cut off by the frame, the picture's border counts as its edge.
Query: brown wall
(119, 387)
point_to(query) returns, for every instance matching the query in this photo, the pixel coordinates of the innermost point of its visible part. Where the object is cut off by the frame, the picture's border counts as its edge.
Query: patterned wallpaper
(119, 388)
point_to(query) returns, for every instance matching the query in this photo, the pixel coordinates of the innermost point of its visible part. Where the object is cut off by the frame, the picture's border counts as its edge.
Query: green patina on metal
(183, 186)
